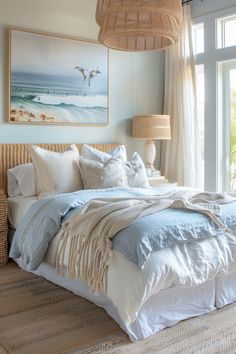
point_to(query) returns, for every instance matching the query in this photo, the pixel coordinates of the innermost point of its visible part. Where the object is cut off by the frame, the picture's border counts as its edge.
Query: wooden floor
(38, 317)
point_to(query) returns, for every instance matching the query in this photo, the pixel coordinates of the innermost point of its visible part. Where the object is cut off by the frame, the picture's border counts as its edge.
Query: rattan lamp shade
(135, 25)
(151, 127)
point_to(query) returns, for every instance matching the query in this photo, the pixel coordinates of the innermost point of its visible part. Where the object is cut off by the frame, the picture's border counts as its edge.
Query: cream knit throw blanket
(86, 238)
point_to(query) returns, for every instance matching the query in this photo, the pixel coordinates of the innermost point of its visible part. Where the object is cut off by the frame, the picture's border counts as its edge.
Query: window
(216, 96)
(226, 29)
(233, 129)
(198, 38)
(227, 122)
(229, 82)
(198, 46)
(200, 84)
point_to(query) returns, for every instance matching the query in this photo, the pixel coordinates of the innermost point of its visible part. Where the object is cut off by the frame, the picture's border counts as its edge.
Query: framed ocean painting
(56, 80)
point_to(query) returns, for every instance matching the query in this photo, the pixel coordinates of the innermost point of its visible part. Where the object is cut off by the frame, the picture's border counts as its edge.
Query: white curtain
(180, 156)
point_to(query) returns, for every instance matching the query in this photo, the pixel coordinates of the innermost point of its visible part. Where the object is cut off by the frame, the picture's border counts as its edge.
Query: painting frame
(98, 114)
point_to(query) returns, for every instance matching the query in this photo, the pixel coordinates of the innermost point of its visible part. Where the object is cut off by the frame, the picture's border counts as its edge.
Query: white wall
(136, 79)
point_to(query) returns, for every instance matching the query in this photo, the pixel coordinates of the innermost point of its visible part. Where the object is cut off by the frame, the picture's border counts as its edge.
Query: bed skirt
(162, 310)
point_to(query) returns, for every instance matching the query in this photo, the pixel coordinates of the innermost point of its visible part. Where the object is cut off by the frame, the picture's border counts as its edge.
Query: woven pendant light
(138, 25)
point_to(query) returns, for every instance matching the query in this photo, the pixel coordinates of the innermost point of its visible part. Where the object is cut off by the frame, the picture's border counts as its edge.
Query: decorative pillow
(21, 181)
(136, 172)
(108, 174)
(56, 172)
(91, 153)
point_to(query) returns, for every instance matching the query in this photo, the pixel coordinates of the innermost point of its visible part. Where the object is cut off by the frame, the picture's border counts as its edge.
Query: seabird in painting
(88, 75)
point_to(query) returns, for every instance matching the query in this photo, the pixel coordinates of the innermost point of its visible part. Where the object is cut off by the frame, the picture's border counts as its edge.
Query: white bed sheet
(17, 207)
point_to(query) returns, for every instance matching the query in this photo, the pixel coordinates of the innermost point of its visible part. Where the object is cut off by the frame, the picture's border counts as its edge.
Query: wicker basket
(3, 229)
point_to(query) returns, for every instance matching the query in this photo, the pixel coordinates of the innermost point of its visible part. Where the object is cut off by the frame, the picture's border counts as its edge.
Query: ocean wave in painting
(58, 109)
(77, 101)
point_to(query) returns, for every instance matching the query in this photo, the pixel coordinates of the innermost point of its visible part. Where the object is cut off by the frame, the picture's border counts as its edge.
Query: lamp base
(150, 155)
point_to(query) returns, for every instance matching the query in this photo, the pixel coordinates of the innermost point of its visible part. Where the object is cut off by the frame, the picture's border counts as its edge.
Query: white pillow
(21, 181)
(108, 174)
(91, 153)
(56, 172)
(136, 172)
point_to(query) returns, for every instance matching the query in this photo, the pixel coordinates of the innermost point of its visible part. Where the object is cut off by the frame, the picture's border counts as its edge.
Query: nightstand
(160, 180)
(3, 228)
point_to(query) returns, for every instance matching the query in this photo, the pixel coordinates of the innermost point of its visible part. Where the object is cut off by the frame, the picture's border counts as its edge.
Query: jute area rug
(38, 317)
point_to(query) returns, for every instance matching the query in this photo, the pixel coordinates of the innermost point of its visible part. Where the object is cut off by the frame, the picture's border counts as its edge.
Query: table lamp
(150, 128)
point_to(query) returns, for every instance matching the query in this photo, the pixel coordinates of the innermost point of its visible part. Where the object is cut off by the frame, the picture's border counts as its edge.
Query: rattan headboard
(15, 154)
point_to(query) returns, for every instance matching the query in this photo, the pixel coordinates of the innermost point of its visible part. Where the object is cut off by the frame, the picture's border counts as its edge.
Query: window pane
(200, 83)
(226, 29)
(198, 38)
(230, 32)
(233, 130)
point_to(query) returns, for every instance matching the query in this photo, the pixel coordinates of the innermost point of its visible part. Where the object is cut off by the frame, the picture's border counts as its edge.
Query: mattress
(17, 207)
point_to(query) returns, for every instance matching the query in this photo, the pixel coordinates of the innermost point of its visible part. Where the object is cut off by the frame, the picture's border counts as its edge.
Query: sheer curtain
(180, 156)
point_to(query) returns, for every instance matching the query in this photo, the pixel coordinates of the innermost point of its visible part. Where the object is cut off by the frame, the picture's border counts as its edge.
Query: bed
(168, 300)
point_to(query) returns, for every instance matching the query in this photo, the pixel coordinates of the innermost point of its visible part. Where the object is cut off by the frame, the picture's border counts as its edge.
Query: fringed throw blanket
(87, 235)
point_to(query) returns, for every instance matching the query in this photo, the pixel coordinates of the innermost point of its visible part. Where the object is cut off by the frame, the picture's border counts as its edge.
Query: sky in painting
(48, 58)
